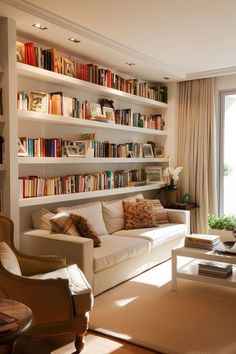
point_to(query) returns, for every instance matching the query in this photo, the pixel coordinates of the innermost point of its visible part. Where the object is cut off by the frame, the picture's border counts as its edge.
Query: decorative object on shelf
(20, 52)
(109, 113)
(159, 152)
(147, 150)
(38, 101)
(68, 67)
(186, 198)
(153, 174)
(95, 112)
(171, 177)
(79, 149)
(107, 103)
(21, 149)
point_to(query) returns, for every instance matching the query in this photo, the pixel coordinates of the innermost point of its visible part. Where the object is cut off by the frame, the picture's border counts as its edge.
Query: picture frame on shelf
(38, 101)
(78, 149)
(20, 52)
(153, 174)
(68, 67)
(147, 151)
(159, 152)
(95, 112)
(109, 113)
(21, 149)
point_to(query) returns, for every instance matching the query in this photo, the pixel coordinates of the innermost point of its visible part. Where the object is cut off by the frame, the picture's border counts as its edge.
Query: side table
(24, 317)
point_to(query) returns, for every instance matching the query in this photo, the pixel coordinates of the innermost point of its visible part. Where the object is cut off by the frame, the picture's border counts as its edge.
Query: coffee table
(189, 270)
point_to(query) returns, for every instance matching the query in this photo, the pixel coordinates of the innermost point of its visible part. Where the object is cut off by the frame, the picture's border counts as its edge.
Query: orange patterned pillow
(138, 214)
(160, 215)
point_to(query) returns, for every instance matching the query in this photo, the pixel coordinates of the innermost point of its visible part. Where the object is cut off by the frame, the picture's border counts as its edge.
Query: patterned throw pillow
(85, 229)
(160, 215)
(138, 214)
(62, 223)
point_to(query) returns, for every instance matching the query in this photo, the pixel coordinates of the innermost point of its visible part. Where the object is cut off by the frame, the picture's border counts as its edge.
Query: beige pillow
(85, 229)
(8, 259)
(159, 213)
(62, 223)
(41, 219)
(138, 215)
(93, 213)
(113, 213)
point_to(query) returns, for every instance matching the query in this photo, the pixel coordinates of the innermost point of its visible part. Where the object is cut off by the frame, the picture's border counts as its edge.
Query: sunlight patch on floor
(154, 278)
(111, 333)
(124, 302)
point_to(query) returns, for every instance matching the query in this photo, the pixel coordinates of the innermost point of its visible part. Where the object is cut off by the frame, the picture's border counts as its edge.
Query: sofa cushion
(157, 236)
(85, 229)
(93, 213)
(115, 250)
(138, 214)
(159, 213)
(41, 219)
(113, 213)
(8, 259)
(62, 223)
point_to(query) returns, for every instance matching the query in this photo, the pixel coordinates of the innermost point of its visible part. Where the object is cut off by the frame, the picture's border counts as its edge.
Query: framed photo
(21, 149)
(78, 149)
(68, 67)
(20, 52)
(153, 174)
(38, 102)
(159, 152)
(147, 150)
(95, 112)
(109, 113)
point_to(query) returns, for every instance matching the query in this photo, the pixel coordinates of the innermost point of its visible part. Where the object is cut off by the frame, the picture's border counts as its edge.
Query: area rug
(198, 318)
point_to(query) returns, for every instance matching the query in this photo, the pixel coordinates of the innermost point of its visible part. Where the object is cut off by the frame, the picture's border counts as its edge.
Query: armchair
(59, 295)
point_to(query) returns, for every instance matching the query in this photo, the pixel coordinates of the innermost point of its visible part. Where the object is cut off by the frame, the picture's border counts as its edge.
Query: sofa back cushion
(160, 215)
(8, 259)
(62, 223)
(138, 214)
(85, 229)
(113, 213)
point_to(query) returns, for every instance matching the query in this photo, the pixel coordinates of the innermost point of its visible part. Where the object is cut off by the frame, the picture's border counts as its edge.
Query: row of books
(49, 59)
(57, 147)
(215, 269)
(208, 242)
(129, 118)
(34, 186)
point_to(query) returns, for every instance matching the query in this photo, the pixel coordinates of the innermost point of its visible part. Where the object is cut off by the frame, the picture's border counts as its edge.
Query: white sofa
(122, 255)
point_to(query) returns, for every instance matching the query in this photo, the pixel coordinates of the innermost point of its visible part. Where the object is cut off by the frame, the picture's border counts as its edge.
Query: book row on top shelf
(49, 59)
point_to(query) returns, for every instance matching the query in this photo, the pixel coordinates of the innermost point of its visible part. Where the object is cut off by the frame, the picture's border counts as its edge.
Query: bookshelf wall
(23, 77)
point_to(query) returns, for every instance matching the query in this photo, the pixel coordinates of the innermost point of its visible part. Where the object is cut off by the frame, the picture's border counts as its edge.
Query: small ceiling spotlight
(39, 26)
(166, 78)
(75, 40)
(130, 63)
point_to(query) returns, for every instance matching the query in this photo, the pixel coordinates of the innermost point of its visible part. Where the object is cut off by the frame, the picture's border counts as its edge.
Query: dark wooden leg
(79, 343)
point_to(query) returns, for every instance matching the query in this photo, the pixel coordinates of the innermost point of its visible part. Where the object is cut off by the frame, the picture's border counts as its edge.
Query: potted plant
(171, 177)
(223, 225)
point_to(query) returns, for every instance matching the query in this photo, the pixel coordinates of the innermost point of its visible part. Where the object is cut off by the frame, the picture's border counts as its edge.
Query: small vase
(171, 197)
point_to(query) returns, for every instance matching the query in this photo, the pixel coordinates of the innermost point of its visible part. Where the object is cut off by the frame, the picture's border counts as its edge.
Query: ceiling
(178, 39)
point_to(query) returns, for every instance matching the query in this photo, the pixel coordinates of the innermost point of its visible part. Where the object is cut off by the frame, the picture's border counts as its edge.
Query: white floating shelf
(86, 195)
(55, 119)
(2, 119)
(81, 160)
(71, 82)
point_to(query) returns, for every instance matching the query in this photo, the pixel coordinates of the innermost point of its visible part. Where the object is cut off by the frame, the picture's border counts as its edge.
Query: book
(208, 242)
(216, 269)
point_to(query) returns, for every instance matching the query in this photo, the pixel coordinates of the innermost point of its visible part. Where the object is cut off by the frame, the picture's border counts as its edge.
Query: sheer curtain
(197, 148)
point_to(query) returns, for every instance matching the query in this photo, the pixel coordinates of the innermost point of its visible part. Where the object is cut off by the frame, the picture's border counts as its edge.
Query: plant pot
(225, 235)
(171, 197)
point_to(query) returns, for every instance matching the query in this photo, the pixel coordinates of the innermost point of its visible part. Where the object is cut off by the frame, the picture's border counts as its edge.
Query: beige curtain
(197, 148)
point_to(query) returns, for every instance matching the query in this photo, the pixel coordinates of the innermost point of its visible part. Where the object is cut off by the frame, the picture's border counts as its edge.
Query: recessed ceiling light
(166, 78)
(75, 40)
(130, 63)
(39, 26)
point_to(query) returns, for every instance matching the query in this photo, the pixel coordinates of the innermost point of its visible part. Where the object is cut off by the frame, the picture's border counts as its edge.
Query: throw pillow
(138, 214)
(85, 229)
(62, 223)
(8, 259)
(160, 215)
(41, 219)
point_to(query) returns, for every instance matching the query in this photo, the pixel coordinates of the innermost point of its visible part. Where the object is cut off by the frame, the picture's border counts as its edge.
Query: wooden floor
(95, 344)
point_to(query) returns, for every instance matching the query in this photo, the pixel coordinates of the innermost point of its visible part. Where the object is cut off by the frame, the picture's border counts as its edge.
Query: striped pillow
(62, 223)
(160, 215)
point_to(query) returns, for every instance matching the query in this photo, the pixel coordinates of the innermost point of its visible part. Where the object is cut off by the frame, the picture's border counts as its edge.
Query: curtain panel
(197, 148)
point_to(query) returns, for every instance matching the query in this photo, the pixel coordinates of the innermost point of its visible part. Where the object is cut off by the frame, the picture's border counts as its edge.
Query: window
(227, 154)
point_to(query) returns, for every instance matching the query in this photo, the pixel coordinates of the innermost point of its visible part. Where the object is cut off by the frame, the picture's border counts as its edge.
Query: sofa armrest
(179, 217)
(76, 249)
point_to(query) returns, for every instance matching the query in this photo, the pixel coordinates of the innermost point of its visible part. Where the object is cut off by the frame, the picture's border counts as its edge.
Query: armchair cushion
(8, 259)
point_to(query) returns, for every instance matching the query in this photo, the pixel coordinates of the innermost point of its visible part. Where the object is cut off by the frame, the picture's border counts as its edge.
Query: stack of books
(207, 242)
(215, 269)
